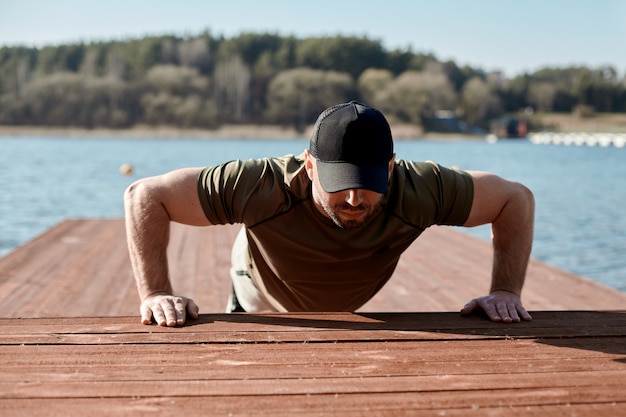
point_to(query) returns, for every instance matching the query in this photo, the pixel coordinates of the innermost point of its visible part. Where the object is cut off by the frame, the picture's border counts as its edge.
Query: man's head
(349, 162)
(352, 145)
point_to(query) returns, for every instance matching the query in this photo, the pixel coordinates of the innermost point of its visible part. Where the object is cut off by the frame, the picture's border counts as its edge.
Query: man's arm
(509, 207)
(150, 204)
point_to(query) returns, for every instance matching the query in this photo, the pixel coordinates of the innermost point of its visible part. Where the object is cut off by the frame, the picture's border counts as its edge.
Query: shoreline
(551, 122)
(399, 132)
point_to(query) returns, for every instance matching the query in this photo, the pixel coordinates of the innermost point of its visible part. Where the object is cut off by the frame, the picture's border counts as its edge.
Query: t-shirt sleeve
(457, 194)
(429, 193)
(247, 191)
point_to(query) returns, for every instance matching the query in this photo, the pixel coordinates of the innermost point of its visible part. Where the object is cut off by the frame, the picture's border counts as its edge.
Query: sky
(505, 35)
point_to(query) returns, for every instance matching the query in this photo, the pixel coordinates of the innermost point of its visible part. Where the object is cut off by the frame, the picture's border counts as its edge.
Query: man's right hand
(167, 310)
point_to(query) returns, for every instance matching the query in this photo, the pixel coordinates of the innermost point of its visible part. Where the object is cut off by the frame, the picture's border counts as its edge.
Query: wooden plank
(560, 322)
(223, 366)
(431, 279)
(369, 363)
(319, 360)
(487, 371)
(512, 403)
(80, 268)
(311, 327)
(391, 356)
(270, 386)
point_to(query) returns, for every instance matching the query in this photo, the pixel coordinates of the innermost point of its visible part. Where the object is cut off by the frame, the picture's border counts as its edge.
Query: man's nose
(354, 197)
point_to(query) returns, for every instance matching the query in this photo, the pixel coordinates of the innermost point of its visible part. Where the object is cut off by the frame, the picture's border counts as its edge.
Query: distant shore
(559, 122)
(400, 132)
(165, 132)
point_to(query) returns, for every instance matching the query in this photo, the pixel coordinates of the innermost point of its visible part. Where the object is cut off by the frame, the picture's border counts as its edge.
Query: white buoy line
(617, 140)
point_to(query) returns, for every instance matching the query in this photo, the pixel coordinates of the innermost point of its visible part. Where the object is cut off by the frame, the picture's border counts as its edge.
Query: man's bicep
(178, 192)
(491, 194)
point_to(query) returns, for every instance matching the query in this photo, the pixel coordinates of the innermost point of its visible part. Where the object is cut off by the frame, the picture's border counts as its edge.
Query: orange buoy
(126, 169)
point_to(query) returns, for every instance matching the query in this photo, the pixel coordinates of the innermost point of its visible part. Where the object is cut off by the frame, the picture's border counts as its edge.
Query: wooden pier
(71, 342)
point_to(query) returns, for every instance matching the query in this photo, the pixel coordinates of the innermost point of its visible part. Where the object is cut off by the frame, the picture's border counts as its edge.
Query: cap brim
(340, 176)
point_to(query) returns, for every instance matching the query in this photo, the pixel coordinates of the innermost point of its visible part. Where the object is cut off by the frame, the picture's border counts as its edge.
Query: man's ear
(392, 163)
(308, 163)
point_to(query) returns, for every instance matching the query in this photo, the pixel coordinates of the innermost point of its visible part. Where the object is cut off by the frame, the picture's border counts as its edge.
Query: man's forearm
(147, 232)
(512, 243)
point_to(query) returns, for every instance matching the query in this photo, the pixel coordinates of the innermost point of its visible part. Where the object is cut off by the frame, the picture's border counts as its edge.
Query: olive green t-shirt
(298, 257)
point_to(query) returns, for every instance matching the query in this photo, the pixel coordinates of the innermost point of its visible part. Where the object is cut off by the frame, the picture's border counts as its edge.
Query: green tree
(16, 69)
(139, 55)
(342, 54)
(250, 46)
(513, 94)
(56, 100)
(232, 89)
(398, 61)
(70, 99)
(479, 102)
(458, 76)
(415, 95)
(177, 96)
(63, 58)
(176, 80)
(372, 84)
(541, 95)
(296, 97)
(108, 103)
(196, 53)
(247, 78)
(116, 62)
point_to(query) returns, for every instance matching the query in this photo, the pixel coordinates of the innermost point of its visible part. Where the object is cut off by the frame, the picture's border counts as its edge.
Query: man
(323, 231)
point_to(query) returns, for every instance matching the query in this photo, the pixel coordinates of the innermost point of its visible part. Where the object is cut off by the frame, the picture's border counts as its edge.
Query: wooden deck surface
(80, 268)
(71, 343)
(343, 364)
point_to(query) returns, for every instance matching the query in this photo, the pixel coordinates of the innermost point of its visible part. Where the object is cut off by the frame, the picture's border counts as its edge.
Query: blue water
(580, 192)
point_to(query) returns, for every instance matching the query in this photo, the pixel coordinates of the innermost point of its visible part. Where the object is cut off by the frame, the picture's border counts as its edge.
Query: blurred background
(442, 66)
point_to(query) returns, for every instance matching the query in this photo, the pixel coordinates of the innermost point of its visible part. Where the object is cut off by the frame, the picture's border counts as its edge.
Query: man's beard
(332, 212)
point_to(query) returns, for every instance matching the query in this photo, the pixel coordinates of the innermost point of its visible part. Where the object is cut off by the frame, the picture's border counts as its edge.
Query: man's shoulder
(414, 173)
(428, 190)
(253, 190)
(258, 169)
(286, 173)
(418, 167)
(286, 163)
(427, 169)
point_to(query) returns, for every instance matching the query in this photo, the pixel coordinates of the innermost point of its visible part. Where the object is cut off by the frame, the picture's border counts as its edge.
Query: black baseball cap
(352, 144)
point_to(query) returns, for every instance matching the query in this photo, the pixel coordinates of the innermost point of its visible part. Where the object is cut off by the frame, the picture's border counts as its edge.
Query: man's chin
(351, 219)
(350, 222)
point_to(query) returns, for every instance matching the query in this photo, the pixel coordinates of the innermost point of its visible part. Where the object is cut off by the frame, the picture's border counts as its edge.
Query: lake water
(580, 192)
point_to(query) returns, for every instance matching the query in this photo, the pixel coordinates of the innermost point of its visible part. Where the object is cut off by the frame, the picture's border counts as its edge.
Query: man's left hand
(500, 306)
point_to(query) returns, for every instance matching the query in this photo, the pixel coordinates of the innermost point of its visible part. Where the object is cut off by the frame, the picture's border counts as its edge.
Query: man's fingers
(181, 310)
(517, 313)
(469, 307)
(503, 311)
(499, 308)
(168, 310)
(158, 314)
(524, 314)
(192, 308)
(513, 314)
(492, 311)
(146, 314)
(184, 306)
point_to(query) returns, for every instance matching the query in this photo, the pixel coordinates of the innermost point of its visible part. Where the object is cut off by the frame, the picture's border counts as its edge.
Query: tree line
(205, 81)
